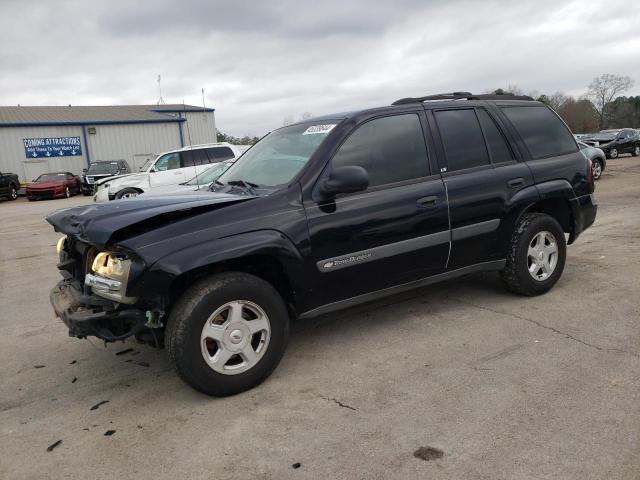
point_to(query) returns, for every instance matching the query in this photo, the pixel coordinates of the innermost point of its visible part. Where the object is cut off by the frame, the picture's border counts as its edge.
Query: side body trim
(475, 229)
(383, 251)
(368, 297)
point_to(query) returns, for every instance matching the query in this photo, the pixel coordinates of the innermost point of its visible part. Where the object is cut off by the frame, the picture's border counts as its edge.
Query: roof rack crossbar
(461, 96)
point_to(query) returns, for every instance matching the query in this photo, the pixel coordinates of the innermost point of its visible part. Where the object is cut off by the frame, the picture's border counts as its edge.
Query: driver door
(395, 231)
(167, 170)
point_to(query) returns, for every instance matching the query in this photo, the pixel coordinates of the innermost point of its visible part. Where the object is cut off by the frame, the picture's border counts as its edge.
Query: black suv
(322, 215)
(100, 170)
(9, 185)
(615, 142)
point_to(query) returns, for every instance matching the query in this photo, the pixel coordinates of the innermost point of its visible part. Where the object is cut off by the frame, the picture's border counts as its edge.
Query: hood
(99, 223)
(100, 181)
(49, 184)
(600, 137)
(176, 190)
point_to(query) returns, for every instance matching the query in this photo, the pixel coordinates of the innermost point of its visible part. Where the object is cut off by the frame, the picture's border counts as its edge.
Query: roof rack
(462, 96)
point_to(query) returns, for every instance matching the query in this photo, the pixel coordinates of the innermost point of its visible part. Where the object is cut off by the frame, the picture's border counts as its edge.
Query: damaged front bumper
(89, 315)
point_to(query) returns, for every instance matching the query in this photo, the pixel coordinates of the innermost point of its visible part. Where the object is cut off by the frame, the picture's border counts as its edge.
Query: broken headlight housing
(110, 276)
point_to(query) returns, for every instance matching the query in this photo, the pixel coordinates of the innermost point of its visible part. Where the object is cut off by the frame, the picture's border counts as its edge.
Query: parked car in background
(54, 185)
(597, 157)
(323, 215)
(101, 170)
(9, 185)
(200, 183)
(169, 168)
(616, 141)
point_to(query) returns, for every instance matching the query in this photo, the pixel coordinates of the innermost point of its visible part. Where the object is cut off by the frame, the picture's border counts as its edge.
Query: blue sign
(52, 147)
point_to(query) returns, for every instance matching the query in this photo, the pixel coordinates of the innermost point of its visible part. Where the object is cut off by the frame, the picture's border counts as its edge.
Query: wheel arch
(266, 254)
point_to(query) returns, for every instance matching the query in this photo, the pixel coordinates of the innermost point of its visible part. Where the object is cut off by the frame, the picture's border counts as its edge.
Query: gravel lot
(504, 386)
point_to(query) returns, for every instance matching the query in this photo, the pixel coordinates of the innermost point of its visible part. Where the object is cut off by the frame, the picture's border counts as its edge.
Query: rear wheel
(536, 255)
(596, 167)
(13, 192)
(67, 192)
(127, 193)
(227, 333)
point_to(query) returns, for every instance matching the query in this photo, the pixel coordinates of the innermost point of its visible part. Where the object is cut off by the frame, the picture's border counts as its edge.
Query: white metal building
(34, 140)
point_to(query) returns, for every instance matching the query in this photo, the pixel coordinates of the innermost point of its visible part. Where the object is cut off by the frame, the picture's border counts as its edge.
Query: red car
(53, 185)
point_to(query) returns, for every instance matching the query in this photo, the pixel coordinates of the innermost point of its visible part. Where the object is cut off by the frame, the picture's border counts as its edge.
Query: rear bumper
(87, 316)
(584, 211)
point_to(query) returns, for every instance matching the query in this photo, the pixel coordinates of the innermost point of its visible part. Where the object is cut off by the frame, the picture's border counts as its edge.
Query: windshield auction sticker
(315, 129)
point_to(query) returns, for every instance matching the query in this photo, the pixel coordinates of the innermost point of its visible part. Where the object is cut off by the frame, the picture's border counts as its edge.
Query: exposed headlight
(60, 244)
(113, 266)
(111, 276)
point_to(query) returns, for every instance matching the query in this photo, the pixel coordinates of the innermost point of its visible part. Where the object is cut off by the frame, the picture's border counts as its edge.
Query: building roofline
(91, 123)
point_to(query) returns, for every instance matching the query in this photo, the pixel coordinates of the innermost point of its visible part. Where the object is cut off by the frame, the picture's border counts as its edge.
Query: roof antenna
(193, 158)
(160, 99)
(204, 109)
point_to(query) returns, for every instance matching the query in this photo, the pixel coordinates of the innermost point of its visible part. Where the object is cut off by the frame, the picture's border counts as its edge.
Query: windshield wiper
(249, 186)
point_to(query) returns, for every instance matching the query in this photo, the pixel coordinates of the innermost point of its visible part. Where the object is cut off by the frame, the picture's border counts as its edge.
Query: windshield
(210, 174)
(279, 156)
(103, 167)
(51, 177)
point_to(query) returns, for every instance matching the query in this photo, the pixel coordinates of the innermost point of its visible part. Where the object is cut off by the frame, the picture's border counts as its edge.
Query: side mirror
(345, 180)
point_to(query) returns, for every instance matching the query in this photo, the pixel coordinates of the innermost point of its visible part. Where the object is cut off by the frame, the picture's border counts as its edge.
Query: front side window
(462, 139)
(390, 149)
(277, 158)
(170, 161)
(542, 131)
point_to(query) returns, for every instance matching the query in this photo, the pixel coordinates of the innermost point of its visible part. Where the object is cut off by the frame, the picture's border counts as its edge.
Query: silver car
(597, 157)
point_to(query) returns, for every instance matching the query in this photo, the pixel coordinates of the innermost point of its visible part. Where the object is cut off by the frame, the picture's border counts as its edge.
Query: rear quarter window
(542, 131)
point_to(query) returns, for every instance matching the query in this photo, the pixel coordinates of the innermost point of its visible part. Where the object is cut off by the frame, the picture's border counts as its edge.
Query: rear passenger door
(481, 174)
(394, 232)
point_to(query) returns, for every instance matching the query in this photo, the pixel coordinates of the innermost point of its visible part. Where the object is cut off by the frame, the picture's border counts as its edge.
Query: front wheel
(536, 255)
(613, 153)
(636, 151)
(227, 333)
(127, 193)
(596, 168)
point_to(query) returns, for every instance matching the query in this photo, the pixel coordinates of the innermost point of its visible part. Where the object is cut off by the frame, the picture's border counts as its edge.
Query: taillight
(590, 180)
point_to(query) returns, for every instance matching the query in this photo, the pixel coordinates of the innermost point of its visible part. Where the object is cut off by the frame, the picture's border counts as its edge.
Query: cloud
(260, 62)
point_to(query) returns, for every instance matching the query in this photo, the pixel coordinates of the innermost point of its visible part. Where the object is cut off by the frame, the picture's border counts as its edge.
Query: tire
(13, 192)
(636, 151)
(127, 193)
(516, 274)
(189, 352)
(596, 168)
(613, 153)
(67, 192)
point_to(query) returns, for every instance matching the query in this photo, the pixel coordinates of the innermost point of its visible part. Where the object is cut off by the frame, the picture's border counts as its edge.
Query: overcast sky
(260, 62)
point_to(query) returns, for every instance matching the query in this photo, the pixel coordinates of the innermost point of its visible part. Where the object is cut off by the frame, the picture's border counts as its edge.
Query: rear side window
(462, 138)
(498, 147)
(390, 149)
(542, 131)
(219, 154)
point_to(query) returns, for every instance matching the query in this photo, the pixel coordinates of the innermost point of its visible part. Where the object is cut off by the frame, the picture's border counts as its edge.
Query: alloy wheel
(14, 193)
(613, 153)
(235, 337)
(597, 169)
(542, 255)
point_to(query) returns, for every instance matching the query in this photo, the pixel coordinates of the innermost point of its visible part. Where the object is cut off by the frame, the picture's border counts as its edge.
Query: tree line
(602, 107)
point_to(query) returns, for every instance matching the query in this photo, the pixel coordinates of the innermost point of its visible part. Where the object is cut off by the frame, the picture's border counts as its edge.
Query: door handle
(427, 202)
(516, 182)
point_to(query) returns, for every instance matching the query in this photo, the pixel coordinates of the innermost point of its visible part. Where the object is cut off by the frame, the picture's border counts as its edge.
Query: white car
(199, 183)
(169, 168)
